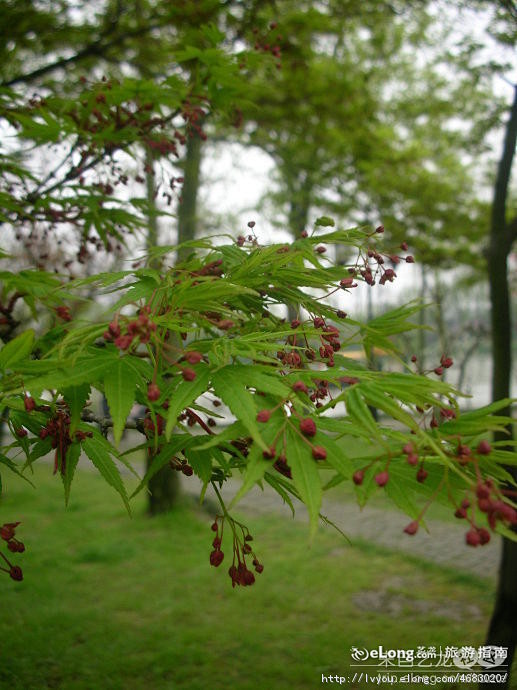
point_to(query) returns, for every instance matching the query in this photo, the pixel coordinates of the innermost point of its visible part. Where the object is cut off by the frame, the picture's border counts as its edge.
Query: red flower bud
(347, 283)
(64, 313)
(188, 374)
(358, 477)
(16, 573)
(153, 392)
(6, 532)
(484, 536)
(472, 537)
(308, 427)
(412, 528)
(446, 362)
(29, 403)
(263, 416)
(225, 324)
(193, 357)
(319, 453)
(216, 558)
(421, 475)
(484, 448)
(382, 478)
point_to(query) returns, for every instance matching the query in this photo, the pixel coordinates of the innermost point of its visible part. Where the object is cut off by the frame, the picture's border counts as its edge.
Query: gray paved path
(443, 545)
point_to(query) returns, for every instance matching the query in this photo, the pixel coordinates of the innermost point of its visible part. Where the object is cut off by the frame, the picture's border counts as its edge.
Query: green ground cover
(115, 603)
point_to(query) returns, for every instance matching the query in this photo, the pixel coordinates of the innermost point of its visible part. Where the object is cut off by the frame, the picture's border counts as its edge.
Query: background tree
(169, 339)
(174, 32)
(503, 232)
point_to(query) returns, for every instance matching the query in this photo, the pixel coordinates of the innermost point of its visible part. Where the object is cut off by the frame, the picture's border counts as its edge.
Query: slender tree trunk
(422, 334)
(297, 219)
(373, 362)
(163, 487)
(152, 223)
(503, 625)
(298, 216)
(187, 208)
(440, 315)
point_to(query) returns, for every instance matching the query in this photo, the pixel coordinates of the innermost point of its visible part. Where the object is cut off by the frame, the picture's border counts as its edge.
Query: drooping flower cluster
(58, 429)
(7, 534)
(239, 572)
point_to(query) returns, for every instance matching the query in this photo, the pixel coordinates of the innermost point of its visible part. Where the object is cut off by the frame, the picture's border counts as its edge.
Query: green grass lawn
(110, 602)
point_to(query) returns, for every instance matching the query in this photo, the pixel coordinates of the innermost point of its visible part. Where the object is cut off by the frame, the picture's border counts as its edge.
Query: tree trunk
(422, 333)
(187, 208)
(164, 486)
(440, 316)
(298, 215)
(503, 625)
(297, 220)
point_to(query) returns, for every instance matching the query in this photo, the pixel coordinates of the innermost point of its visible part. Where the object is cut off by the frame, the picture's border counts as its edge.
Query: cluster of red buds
(412, 458)
(252, 239)
(281, 466)
(239, 572)
(269, 43)
(7, 533)
(306, 429)
(213, 268)
(242, 445)
(181, 465)
(290, 359)
(150, 427)
(368, 275)
(192, 418)
(329, 344)
(445, 363)
(486, 497)
(115, 116)
(173, 189)
(162, 145)
(58, 429)
(138, 330)
(383, 477)
(194, 116)
(64, 313)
